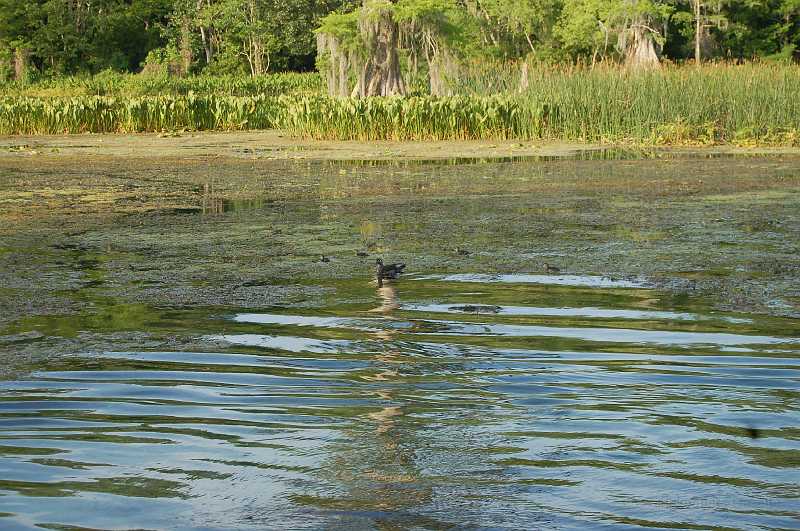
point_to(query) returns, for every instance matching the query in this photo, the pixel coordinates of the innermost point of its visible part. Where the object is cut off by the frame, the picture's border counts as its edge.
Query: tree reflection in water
(376, 467)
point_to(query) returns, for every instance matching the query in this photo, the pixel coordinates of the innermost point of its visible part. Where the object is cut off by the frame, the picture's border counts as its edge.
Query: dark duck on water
(388, 272)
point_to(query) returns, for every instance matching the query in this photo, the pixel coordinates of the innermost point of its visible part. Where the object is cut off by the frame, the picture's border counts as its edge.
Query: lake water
(208, 371)
(446, 402)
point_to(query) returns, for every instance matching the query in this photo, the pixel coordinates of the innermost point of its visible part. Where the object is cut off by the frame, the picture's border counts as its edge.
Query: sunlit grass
(130, 85)
(99, 114)
(746, 105)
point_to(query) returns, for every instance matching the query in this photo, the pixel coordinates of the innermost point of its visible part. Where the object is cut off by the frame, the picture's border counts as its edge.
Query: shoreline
(276, 145)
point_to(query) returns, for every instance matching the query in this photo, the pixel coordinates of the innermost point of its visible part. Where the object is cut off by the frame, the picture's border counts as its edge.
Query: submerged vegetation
(712, 104)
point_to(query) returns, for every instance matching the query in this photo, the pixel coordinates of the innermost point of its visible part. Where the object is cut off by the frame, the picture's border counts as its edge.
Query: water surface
(415, 411)
(197, 365)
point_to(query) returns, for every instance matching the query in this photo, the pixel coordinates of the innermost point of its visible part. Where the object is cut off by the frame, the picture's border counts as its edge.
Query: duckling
(551, 268)
(389, 272)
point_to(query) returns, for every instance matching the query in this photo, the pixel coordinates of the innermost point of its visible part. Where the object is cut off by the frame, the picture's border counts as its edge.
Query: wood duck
(388, 272)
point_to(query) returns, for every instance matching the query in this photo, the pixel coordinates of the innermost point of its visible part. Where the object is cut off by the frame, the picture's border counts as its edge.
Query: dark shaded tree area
(67, 36)
(54, 37)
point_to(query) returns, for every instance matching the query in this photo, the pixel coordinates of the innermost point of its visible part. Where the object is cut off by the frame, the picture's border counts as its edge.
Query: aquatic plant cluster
(105, 114)
(712, 104)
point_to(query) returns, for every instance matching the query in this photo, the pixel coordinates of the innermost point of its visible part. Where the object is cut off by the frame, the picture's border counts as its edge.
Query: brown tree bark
(5, 66)
(185, 49)
(21, 63)
(376, 65)
(641, 52)
(524, 83)
(698, 31)
(441, 69)
(380, 74)
(336, 66)
(206, 37)
(436, 75)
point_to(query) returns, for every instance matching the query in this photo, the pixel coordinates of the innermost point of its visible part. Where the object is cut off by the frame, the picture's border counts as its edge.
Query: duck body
(388, 272)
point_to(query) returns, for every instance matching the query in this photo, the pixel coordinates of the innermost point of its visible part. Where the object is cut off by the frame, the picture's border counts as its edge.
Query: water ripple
(526, 417)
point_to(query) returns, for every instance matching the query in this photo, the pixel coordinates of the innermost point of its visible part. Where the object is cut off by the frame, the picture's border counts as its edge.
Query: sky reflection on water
(388, 416)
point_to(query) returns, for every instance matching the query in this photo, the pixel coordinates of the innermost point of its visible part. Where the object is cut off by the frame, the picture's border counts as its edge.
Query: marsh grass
(133, 86)
(747, 105)
(712, 104)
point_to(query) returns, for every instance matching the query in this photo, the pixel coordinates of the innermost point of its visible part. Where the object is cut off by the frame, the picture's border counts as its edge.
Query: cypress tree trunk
(334, 64)
(256, 51)
(698, 32)
(524, 83)
(436, 71)
(5, 66)
(20, 63)
(641, 53)
(442, 69)
(185, 48)
(206, 37)
(376, 66)
(380, 75)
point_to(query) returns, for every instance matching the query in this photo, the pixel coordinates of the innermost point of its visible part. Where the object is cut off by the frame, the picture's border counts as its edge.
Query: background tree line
(54, 37)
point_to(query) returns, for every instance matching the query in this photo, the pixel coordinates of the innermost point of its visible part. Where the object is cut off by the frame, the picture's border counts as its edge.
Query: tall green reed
(712, 104)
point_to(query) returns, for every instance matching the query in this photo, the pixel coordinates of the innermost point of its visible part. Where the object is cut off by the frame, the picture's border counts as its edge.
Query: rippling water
(437, 402)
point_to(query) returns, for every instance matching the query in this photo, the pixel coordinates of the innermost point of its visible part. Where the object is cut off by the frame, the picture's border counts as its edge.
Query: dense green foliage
(470, 68)
(56, 37)
(744, 104)
(129, 85)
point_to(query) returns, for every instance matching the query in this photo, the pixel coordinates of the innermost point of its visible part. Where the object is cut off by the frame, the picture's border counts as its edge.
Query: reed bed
(749, 104)
(676, 105)
(753, 104)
